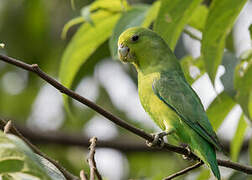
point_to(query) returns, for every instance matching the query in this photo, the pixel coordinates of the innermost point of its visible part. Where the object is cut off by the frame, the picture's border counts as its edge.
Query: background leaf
(70, 24)
(243, 82)
(17, 160)
(172, 17)
(238, 138)
(198, 18)
(151, 15)
(112, 6)
(221, 17)
(229, 62)
(85, 42)
(219, 109)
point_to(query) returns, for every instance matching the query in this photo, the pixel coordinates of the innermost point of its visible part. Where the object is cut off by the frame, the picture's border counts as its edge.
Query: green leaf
(229, 61)
(243, 72)
(250, 105)
(172, 17)
(112, 6)
(221, 17)
(230, 42)
(131, 18)
(84, 43)
(198, 18)
(243, 81)
(86, 11)
(86, 40)
(238, 138)
(151, 15)
(70, 24)
(17, 161)
(219, 109)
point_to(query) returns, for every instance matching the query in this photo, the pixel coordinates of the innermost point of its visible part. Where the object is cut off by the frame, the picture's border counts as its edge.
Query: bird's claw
(187, 156)
(158, 139)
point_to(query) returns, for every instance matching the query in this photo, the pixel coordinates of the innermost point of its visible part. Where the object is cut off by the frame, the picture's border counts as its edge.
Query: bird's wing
(174, 91)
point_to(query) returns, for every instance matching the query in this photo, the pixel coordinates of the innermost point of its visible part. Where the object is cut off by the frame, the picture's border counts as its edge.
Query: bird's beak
(123, 52)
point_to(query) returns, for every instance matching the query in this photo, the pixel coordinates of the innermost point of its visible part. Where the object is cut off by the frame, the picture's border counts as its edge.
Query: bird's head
(143, 48)
(135, 42)
(128, 43)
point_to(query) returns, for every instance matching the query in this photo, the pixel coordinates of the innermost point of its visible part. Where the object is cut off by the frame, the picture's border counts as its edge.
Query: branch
(91, 160)
(124, 144)
(7, 127)
(83, 175)
(184, 171)
(13, 130)
(35, 69)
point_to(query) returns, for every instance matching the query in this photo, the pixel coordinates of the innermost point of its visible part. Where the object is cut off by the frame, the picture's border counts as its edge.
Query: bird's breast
(157, 109)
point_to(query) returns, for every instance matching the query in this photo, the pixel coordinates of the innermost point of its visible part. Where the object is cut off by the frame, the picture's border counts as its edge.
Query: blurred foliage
(32, 30)
(19, 162)
(216, 30)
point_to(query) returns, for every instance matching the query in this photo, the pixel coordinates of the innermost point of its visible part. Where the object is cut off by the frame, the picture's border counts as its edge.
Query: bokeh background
(31, 31)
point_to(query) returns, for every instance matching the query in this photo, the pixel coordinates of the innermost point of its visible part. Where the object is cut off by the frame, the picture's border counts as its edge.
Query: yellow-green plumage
(165, 94)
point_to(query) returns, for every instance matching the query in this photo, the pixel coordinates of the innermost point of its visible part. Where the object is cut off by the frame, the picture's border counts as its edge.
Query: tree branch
(125, 144)
(91, 160)
(7, 127)
(35, 69)
(198, 164)
(83, 175)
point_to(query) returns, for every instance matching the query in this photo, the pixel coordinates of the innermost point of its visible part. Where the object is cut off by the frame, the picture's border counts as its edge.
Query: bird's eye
(135, 38)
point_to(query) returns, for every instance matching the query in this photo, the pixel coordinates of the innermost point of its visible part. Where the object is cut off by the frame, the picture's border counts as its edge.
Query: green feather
(173, 90)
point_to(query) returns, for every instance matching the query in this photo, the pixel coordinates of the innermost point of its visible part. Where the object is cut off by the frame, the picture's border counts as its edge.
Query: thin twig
(35, 69)
(83, 176)
(7, 127)
(14, 131)
(198, 164)
(193, 36)
(91, 160)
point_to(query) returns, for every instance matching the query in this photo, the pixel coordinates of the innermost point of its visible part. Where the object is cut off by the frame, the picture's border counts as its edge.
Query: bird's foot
(187, 155)
(158, 139)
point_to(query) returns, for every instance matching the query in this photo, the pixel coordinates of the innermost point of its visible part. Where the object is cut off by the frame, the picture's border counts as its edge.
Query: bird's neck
(160, 62)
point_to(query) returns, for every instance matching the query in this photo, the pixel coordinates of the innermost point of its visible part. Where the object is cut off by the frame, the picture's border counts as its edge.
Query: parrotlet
(166, 95)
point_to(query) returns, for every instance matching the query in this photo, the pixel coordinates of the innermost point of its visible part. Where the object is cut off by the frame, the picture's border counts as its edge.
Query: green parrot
(165, 94)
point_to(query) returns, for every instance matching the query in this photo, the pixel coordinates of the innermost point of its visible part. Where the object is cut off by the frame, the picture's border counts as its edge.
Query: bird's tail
(214, 167)
(209, 158)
